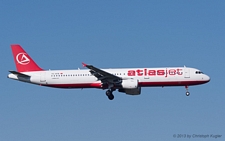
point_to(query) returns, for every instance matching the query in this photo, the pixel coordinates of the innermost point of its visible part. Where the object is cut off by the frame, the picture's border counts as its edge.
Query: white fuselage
(147, 77)
(127, 80)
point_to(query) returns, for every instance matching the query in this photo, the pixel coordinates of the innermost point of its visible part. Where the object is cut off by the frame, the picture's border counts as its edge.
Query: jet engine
(130, 87)
(129, 84)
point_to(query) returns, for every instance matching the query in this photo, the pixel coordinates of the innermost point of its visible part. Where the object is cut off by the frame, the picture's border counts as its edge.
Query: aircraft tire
(111, 97)
(187, 93)
(108, 92)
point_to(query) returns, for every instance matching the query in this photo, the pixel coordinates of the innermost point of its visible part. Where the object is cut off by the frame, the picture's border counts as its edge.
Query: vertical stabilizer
(24, 63)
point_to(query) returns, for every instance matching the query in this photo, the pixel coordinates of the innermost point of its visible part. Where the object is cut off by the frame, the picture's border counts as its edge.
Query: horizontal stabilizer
(18, 73)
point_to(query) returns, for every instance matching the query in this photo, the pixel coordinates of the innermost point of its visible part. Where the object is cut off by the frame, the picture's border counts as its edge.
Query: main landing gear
(110, 94)
(187, 93)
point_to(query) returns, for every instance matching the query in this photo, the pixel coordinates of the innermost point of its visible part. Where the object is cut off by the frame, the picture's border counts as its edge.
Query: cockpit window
(199, 72)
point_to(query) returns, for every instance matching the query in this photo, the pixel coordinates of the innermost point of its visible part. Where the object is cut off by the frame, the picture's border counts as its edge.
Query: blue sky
(113, 34)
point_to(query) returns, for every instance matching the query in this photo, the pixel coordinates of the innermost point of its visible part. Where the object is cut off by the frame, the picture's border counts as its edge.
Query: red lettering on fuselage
(139, 72)
(172, 72)
(179, 71)
(131, 73)
(160, 72)
(151, 72)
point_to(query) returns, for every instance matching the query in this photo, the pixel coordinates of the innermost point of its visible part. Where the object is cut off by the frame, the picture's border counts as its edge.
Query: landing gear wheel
(111, 97)
(187, 93)
(109, 94)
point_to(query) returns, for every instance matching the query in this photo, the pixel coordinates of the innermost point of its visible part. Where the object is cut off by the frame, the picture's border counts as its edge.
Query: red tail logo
(23, 61)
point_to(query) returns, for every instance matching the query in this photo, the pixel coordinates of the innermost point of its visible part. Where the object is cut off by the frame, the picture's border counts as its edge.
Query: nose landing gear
(187, 93)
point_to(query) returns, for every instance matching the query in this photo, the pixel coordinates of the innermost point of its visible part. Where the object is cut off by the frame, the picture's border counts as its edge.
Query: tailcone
(12, 76)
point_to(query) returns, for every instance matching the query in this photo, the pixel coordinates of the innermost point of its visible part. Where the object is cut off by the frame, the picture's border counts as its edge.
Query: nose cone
(206, 78)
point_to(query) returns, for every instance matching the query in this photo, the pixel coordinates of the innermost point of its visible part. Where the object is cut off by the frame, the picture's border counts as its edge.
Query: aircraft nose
(207, 78)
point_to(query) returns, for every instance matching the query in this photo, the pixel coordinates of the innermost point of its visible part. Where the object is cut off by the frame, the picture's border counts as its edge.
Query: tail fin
(24, 63)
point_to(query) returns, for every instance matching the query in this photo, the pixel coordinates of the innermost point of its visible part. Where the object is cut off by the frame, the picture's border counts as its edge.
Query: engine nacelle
(129, 84)
(136, 91)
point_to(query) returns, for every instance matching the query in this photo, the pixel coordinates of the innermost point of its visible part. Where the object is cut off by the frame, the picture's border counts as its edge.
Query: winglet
(84, 65)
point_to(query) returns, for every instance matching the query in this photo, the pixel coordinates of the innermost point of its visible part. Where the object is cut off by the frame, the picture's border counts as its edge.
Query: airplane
(125, 80)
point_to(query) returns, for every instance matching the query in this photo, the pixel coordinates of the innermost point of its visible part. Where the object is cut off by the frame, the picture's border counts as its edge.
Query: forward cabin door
(186, 72)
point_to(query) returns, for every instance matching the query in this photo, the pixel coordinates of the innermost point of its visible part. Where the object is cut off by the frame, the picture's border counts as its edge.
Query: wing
(102, 75)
